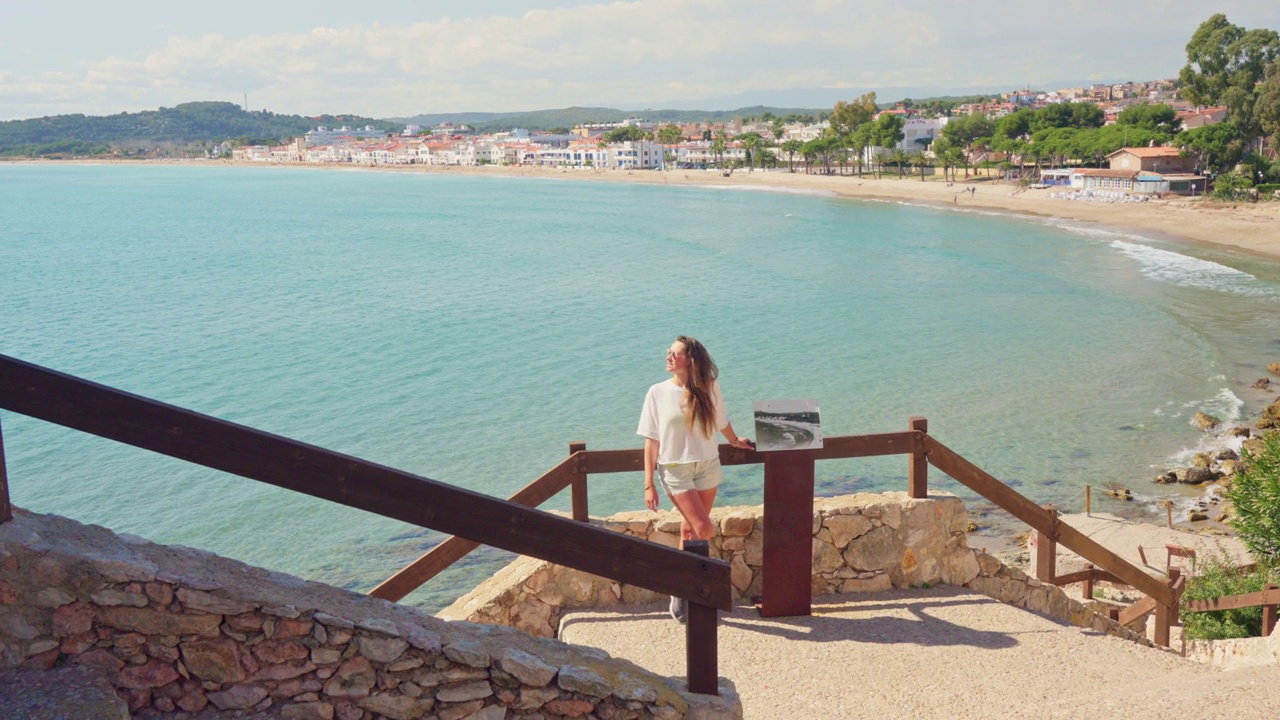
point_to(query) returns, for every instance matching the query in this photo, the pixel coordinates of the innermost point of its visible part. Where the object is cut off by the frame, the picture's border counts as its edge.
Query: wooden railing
(923, 450)
(1268, 598)
(116, 415)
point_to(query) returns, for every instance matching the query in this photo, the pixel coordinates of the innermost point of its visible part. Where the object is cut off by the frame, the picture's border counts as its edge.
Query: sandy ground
(1124, 537)
(939, 653)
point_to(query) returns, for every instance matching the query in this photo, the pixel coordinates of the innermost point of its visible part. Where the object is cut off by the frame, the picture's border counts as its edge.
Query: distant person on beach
(679, 422)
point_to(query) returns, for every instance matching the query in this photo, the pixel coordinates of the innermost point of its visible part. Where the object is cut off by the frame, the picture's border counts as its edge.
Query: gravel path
(945, 652)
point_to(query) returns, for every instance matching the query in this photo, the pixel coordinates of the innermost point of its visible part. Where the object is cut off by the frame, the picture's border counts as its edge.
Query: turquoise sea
(468, 328)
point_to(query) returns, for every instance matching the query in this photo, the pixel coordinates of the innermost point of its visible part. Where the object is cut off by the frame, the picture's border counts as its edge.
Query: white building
(327, 136)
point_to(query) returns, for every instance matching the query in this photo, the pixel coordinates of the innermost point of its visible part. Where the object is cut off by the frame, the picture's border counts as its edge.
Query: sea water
(467, 328)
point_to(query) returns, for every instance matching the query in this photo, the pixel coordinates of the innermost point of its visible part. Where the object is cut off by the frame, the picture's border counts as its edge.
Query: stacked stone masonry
(861, 543)
(176, 629)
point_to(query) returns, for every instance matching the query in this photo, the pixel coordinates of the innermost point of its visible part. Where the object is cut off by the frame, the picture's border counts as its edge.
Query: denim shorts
(682, 477)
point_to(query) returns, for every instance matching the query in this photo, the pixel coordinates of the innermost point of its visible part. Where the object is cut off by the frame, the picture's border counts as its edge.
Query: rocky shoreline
(1216, 469)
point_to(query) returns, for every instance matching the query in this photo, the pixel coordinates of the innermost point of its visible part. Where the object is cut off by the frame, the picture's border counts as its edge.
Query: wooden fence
(1268, 598)
(922, 450)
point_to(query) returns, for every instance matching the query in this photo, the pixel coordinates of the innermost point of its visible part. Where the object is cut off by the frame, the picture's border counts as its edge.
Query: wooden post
(787, 585)
(1161, 636)
(1088, 501)
(918, 463)
(1167, 615)
(701, 648)
(1047, 551)
(578, 487)
(1168, 508)
(1087, 591)
(1269, 614)
(6, 511)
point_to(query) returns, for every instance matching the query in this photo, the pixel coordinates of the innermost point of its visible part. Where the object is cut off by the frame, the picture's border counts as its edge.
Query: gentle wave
(1187, 271)
(773, 189)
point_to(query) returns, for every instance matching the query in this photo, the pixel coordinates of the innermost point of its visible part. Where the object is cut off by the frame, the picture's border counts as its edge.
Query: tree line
(1227, 65)
(188, 126)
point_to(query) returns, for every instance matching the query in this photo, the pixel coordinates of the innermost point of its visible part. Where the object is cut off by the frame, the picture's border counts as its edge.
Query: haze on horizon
(396, 58)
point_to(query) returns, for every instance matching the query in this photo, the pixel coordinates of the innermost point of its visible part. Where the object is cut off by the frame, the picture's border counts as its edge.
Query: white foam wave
(1187, 271)
(1225, 406)
(774, 189)
(1093, 232)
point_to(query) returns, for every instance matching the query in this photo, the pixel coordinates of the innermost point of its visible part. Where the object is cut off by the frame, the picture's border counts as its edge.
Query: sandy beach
(1252, 228)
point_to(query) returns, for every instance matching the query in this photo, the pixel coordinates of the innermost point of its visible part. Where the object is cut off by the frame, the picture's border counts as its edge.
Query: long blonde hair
(700, 408)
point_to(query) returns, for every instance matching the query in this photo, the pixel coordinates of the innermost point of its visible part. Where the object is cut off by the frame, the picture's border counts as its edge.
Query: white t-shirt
(663, 419)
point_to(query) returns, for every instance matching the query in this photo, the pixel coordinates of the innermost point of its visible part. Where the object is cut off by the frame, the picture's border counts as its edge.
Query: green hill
(180, 126)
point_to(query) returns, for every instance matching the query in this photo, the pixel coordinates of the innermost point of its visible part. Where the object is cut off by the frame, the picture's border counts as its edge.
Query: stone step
(66, 693)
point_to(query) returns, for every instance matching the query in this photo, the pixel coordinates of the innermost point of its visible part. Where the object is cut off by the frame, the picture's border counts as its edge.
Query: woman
(679, 422)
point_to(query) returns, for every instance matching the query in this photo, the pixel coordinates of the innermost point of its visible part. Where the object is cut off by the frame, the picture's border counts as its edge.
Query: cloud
(633, 52)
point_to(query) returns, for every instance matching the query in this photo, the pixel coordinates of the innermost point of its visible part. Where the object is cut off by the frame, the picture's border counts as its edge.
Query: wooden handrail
(117, 415)
(1270, 596)
(598, 462)
(454, 548)
(1042, 520)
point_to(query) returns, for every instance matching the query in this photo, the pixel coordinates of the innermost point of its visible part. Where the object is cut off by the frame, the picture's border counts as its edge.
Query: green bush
(1255, 493)
(1216, 576)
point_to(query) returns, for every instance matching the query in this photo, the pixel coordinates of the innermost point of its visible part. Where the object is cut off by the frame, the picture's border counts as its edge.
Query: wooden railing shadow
(176, 432)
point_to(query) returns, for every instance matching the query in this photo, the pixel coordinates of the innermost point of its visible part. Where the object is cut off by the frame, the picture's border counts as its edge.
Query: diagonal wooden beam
(177, 432)
(453, 549)
(1136, 610)
(986, 485)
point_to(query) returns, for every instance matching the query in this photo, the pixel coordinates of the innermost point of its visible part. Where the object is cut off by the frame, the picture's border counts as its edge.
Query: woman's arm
(734, 440)
(650, 464)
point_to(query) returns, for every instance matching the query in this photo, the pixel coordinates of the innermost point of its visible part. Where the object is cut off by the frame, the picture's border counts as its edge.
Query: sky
(396, 58)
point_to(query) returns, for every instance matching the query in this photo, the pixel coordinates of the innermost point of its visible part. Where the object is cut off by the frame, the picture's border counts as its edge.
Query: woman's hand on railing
(743, 443)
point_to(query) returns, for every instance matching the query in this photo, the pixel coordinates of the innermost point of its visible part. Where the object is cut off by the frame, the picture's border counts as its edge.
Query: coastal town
(771, 142)
(317, 415)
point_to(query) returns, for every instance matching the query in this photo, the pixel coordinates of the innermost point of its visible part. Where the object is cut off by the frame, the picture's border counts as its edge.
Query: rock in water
(1262, 383)
(1274, 368)
(1205, 422)
(1272, 411)
(1197, 475)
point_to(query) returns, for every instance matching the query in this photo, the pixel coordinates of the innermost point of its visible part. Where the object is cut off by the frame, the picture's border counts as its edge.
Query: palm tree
(718, 146)
(670, 134)
(791, 147)
(919, 160)
(752, 142)
(899, 157)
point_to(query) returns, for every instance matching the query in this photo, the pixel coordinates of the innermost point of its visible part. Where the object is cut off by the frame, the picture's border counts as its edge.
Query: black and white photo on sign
(787, 425)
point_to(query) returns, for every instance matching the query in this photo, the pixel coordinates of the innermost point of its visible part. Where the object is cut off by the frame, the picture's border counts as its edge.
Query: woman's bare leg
(695, 509)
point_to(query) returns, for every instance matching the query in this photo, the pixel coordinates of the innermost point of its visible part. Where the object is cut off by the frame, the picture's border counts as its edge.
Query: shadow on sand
(831, 622)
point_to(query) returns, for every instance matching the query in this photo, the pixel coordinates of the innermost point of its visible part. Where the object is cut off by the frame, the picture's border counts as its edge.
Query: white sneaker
(678, 606)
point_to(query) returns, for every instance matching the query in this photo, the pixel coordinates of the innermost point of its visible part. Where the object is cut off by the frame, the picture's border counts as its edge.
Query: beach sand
(1252, 228)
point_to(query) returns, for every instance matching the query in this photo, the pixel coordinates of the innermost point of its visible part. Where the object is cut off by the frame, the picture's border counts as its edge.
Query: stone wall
(1237, 653)
(861, 543)
(1011, 586)
(177, 629)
